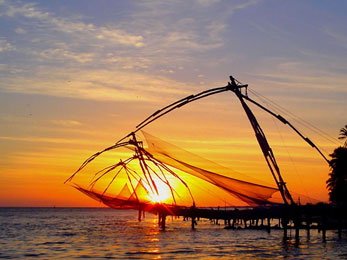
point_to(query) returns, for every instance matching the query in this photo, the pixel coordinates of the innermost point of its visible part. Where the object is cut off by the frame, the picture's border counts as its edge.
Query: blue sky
(182, 43)
(84, 73)
(192, 42)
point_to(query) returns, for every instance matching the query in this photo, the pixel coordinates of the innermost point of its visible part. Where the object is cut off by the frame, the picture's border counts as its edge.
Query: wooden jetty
(298, 217)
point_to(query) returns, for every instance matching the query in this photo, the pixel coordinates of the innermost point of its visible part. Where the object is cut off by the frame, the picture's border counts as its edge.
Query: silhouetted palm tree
(337, 182)
(343, 134)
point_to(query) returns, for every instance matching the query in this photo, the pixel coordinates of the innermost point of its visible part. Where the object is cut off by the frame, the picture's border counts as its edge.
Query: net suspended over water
(161, 172)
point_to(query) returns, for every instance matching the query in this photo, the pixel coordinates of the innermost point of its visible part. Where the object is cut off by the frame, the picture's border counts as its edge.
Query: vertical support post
(324, 233)
(324, 228)
(139, 216)
(163, 221)
(268, 225)
(285, 227)
(297, 229)
(193, 222)
(193, 214)
(308, 223)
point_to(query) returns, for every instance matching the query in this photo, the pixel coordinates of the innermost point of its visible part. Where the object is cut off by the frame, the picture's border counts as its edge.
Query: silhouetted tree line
(337, 182)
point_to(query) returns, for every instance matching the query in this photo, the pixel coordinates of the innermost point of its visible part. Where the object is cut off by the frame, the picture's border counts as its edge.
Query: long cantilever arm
(91, 158)
(179, 104)
(161, 112)
(165, 110)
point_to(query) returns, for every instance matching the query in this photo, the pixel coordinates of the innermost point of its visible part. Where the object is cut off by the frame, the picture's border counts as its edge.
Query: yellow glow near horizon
(163, 195)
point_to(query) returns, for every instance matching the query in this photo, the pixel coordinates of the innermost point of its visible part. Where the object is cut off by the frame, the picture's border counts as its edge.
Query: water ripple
(109, 234)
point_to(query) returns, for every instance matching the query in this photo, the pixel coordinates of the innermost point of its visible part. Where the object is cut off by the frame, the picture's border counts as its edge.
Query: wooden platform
(320, 216)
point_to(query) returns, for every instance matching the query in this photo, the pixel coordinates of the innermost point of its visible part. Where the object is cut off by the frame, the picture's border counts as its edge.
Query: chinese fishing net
(160, 172)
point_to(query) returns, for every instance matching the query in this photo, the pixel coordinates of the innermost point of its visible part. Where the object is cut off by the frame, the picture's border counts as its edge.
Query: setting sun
(163, 195)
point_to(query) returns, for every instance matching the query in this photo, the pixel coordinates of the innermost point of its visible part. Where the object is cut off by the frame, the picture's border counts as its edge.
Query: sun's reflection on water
(101, 234)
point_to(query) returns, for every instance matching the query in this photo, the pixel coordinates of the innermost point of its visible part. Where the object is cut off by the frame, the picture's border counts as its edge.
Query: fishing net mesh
(232, 182)
(161, 167)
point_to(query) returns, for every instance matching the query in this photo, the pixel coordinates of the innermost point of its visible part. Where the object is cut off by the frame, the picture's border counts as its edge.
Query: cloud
(178, 31)
(302, 74)
(137, 43)
(340, 38)
(120, 37)
(66, 123)
(72, 25)
(20, 30)
(207, 2)
(6, 46)
(128, 62)
(62, 54)
(98, 85)
(45, 140)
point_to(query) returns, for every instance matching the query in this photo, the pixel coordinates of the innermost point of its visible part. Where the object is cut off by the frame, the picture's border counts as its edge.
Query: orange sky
(75, 78)
(35, 169)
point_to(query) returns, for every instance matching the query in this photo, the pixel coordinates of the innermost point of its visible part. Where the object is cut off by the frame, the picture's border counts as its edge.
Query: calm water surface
(75, 233)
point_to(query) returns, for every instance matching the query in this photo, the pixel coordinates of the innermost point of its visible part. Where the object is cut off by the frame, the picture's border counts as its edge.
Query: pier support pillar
(339, 223)
(324, 234)
(161, 221)
(308, 223)
(285, 228)
(140, 214)
(193, 222)
(324, 228)
(268, 228)
(245, 223)
(297, 230)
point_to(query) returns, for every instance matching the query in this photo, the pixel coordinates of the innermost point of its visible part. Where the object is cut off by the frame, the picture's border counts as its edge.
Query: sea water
(92, 233)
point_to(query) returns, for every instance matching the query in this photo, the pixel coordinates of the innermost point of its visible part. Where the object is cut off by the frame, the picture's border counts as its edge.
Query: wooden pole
(308, 223)
(139, 216)
(285, 229)
(324, 228)
(324, 234)
(193, 222)
(163, 222)
(297, 229)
